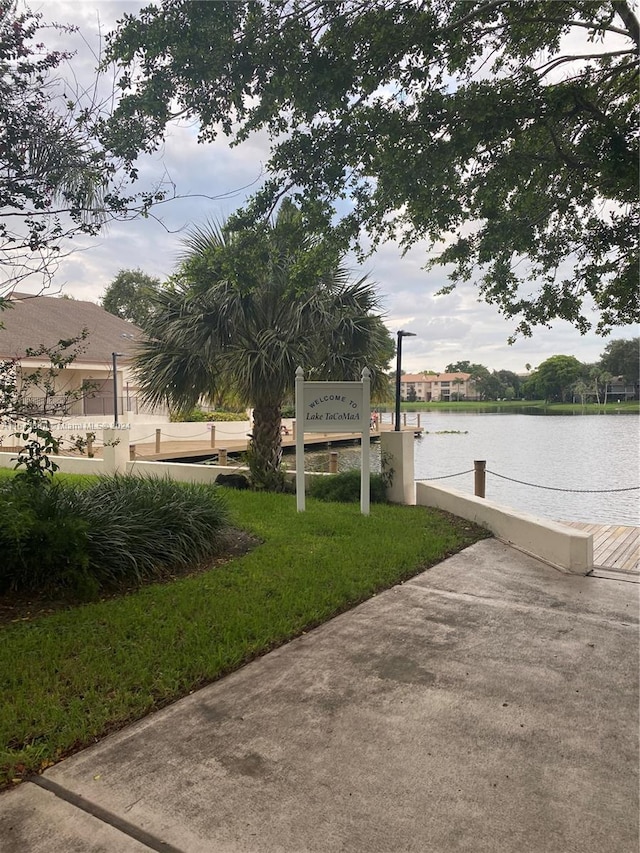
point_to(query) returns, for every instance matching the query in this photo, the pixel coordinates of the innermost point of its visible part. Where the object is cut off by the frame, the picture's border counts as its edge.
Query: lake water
(571, 453)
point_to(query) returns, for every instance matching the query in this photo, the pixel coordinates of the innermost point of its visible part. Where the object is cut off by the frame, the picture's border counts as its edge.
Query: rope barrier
(142, 438)
(558, 489)
(184, 437)
(219, 432)
(537, 485)
(448, 476)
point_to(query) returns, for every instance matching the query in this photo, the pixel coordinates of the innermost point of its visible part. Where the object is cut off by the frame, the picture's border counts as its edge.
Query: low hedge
(345, 487)
(120, 529)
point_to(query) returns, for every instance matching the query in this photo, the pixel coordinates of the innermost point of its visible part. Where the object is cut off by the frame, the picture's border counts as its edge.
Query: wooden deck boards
(183, 449)
(615, 547)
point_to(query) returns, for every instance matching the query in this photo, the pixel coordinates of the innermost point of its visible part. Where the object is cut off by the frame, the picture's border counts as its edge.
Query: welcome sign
(333, 407)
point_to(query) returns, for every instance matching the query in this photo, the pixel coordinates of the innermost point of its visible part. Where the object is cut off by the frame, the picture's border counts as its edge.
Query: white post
(397, 460)
(299, 433)
(365, 485)
(115, 451)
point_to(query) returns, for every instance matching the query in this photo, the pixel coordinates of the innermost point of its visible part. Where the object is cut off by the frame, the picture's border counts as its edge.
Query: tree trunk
(266, 448)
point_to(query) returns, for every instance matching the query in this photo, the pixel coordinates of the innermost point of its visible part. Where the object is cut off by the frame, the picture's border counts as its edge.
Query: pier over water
(616, 549)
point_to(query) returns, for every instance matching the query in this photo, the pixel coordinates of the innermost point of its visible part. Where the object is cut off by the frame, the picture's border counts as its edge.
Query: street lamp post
(401, 335)
(114, 358)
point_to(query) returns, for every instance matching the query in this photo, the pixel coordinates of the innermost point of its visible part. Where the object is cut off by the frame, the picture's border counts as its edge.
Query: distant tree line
(561, 378)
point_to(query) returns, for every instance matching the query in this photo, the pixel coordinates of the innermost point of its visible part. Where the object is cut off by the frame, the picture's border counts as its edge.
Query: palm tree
(601, 379)
(245, 309)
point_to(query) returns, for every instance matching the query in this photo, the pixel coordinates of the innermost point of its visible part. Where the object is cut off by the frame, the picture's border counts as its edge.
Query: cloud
(215, 179)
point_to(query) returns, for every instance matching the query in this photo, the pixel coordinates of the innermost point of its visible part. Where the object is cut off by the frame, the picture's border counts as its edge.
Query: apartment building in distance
(444, 387)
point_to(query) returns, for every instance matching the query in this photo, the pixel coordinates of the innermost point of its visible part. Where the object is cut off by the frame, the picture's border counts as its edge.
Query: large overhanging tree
(56, 180)
(245, 309)
(503, 133)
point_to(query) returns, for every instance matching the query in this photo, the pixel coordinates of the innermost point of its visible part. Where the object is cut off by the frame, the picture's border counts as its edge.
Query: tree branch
(630, 21)
(554, 63)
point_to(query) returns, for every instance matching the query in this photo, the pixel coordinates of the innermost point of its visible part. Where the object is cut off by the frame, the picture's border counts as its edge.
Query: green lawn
(75, 675)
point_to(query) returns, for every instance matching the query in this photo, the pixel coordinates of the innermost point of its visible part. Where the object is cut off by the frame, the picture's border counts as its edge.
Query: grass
(78, 674)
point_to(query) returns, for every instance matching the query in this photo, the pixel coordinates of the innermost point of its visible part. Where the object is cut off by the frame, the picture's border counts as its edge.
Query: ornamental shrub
(141, 527)
(43, 543)
(345, 487)
(121, 529)
(200, 416)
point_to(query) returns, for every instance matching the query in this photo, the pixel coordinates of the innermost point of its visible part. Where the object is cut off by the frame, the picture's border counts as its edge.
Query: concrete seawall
(564, 547)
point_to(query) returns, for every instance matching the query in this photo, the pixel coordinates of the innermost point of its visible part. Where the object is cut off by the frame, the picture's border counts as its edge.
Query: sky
(215, 179)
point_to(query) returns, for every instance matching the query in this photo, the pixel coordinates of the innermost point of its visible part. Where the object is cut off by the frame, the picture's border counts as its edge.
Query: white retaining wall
(563, 547)
(68, 464)
(182, 471)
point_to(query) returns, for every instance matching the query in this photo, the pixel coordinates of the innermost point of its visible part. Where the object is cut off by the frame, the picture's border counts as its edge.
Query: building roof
(33, 321)
(435, 377)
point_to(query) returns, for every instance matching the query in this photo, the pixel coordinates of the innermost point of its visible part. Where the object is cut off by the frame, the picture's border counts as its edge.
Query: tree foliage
(486, 384)
(475, 370)
(554, 379)
(503, 133)
(622, 358)
(245, 309)
(131, 296)
(56, 179)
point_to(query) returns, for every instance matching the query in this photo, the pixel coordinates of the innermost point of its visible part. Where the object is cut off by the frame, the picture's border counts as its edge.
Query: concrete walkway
(490, 704)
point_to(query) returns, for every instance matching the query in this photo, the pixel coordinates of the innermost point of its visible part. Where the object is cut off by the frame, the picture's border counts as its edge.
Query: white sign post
(330, 407)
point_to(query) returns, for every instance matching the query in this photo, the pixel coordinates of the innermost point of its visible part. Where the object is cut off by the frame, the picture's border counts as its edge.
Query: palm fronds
(246, 309)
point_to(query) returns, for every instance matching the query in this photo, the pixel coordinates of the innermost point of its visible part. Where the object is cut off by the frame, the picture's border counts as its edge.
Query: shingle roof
(36, 320)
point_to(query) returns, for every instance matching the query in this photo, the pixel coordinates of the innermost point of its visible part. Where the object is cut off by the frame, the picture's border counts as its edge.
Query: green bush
(200, 416)
(197, 415)
(141, 526)
(228, 416)
(345, 487)
(117, 530)
(43, 543)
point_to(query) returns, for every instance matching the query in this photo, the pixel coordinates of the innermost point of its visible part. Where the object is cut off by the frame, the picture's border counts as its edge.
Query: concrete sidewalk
(490, 704)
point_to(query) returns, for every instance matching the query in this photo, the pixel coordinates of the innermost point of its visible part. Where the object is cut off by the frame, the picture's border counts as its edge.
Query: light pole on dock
(401, 334)
(114, 358)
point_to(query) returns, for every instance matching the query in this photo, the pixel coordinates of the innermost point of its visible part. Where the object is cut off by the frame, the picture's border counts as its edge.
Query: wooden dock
(616, 548)
(185, 450)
